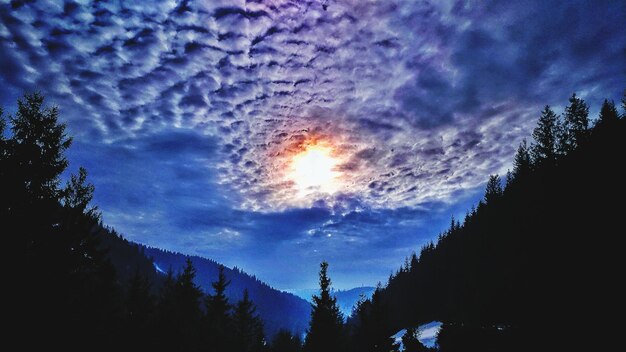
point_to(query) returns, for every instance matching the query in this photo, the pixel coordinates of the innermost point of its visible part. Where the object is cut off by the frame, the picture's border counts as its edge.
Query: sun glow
(313, 170)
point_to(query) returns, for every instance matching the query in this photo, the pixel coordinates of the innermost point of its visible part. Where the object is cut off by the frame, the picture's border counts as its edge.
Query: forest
(533, 264)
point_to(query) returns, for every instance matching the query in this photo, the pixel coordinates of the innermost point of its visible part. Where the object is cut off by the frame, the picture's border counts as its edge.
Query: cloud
(186, 112)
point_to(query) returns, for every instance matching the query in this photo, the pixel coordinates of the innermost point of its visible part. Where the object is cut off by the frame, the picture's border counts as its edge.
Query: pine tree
(325, 332)
(38, 144)
(218, 315)
(493, 190)
(381, 332)
(522, 164)
(575, 125)
(608, 114)
(247, 327)
(285, 341)
(544, 149)
(179, 309)
(140, 308)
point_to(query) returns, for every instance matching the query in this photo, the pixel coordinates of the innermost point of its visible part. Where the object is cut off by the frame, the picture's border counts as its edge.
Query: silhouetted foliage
(285, 341)
(325, 332)
(370, 326)
(522, 164)
(492, 193)
(525, 264)
(575, 124)
(218, 315)
(544, 149)
(69, 294)
(608, 115)
(411, 342)
(247, 327)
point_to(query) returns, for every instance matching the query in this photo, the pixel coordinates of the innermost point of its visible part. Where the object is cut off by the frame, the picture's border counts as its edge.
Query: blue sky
(186, 114)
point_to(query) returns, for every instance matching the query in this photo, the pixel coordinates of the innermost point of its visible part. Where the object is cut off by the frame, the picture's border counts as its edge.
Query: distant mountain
(348, 298)
(278, 309)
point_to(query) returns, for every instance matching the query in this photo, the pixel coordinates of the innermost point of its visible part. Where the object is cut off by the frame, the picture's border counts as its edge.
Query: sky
(190, 116)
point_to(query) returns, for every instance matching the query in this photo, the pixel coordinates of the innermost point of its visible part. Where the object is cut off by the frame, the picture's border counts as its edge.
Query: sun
(314, 170)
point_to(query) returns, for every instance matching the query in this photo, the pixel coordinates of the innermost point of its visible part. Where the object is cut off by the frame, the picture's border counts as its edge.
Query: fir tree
(608, 114)
(493, 190)
(522, 163)
(575, 125)
(285, 341)
(325, 332)
(38, 144)
(247, 327)
(218, 315)
(544, 149)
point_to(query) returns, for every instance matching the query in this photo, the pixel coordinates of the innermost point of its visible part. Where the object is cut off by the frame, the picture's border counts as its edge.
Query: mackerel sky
(186, 114)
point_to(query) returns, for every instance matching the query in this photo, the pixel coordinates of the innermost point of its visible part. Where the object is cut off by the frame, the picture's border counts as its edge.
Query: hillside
(278, 309)
(533, 262)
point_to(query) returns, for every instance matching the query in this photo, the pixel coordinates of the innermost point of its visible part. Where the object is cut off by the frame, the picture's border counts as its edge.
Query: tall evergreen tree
(608, 114)
(575, 124)
(325, 332)
(381, 330)
(247, 327)
(285, 341)
(218, 315)
(38, 142)
(180, 313)
(494, 189)
(522, 164)
(544, 148)
(140, 313)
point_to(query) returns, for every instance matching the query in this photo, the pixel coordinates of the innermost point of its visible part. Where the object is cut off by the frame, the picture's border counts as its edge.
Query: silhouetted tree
(285, 341)
(218, 315)
(493, 190)
(140, 313)
(608, 114)
(546, 133)
(38, 142)
(411, 342)
(575, 124)
(247, 327)
(522, 164)
(179, 308)
(325, 332)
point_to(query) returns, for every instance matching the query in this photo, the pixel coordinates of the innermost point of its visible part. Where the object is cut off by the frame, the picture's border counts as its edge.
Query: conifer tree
(608, 114)
(325, 332)
(218, 315)
(247, 327)
(522, 164)
(285, 341)
(575, 124)
(38, 142)
(381, 331)
(493, 190)
(544, 149)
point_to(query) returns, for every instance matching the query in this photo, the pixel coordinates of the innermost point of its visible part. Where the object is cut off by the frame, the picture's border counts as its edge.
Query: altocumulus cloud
(182, 110)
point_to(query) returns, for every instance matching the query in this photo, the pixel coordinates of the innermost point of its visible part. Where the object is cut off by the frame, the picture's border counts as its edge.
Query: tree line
(529, 251)
(519, 273)
(66, 291)
(537, 258)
